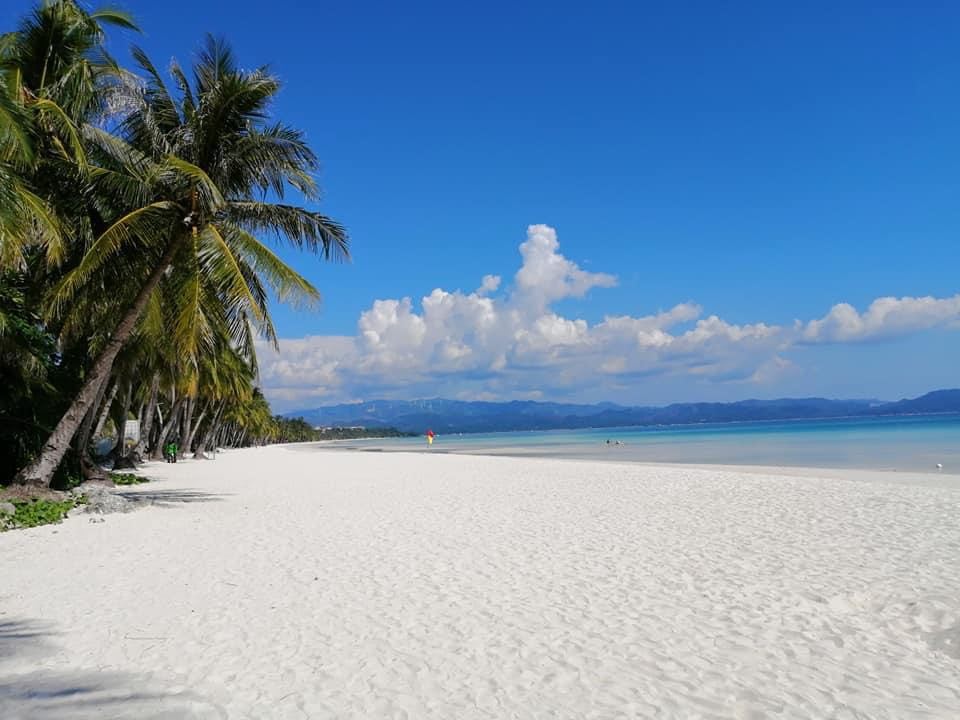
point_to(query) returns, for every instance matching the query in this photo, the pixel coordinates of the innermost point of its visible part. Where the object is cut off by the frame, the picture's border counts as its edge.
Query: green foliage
(117, 185)
(35, 377)
(287, 430)
(69, 475)
(127, 479)
(31, 513)
(292, 430)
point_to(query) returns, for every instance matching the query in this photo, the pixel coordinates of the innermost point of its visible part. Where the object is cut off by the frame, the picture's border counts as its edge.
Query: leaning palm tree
(186, 179)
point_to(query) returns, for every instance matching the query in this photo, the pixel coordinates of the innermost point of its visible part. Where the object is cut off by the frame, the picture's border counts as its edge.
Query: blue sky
(761, 161)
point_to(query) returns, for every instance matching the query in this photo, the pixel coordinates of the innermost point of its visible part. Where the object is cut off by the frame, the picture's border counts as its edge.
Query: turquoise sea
(904, 443)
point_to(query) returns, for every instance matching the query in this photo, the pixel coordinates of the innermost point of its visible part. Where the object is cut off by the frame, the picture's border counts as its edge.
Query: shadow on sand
(169, 497)
(81, 694)
(24, 639)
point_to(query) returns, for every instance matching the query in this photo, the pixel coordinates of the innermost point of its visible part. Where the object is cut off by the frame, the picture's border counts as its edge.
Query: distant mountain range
(446, 416)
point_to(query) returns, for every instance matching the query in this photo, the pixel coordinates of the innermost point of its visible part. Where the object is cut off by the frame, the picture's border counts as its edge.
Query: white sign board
(131, 431)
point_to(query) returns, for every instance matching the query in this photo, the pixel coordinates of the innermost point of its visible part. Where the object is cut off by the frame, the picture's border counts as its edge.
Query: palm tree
(52, 70)
(54, 75)
(186, 181)
(225, 377)
(57, 56)
(25, 219)
(249, 419)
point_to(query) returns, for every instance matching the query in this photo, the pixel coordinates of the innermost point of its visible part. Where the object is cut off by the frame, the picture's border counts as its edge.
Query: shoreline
(706, 423)
(909, 476)
(278, 582)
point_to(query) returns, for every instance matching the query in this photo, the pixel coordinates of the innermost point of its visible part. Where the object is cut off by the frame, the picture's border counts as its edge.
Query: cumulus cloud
(886, 317)
(489, 284)
(306, 369)
(547, 276)
(495, 343)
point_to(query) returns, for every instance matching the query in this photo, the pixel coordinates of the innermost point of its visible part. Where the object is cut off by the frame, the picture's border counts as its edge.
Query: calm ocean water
(906, 443)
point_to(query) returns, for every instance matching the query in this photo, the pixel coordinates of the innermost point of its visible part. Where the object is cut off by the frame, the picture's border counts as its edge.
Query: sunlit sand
(279, 583)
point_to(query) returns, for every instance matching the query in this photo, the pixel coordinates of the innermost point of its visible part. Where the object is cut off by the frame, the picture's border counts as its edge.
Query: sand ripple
(354, 585)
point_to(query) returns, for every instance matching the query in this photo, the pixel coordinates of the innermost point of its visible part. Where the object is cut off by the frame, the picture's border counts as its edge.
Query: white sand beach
(291, 582)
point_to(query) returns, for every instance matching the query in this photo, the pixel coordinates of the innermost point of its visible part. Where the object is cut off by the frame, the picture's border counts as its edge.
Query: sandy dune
(295, 583)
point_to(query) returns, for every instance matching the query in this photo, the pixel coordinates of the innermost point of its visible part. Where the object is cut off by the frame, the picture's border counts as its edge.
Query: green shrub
(31, 513)
(127, 479)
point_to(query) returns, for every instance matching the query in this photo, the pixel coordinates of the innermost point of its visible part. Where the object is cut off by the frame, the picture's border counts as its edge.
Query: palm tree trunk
(194, 426)
(105, 409)
(121, 423)
(146, 424)
(211, 433)
(40, 471)
(185, 429)
(83, 439)
(167, 427)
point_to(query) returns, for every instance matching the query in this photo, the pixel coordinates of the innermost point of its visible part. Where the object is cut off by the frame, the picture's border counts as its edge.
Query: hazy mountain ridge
(466, 416)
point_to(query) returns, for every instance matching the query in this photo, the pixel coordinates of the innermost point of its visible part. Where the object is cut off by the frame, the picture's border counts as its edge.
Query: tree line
(139, 212)
(356, 433)
(299, 430)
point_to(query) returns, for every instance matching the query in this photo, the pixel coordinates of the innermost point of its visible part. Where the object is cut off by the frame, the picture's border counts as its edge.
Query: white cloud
(306, 369)
(511, 343)
(772, 370)
(489, 284)
(547, 276)
(886, 317)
